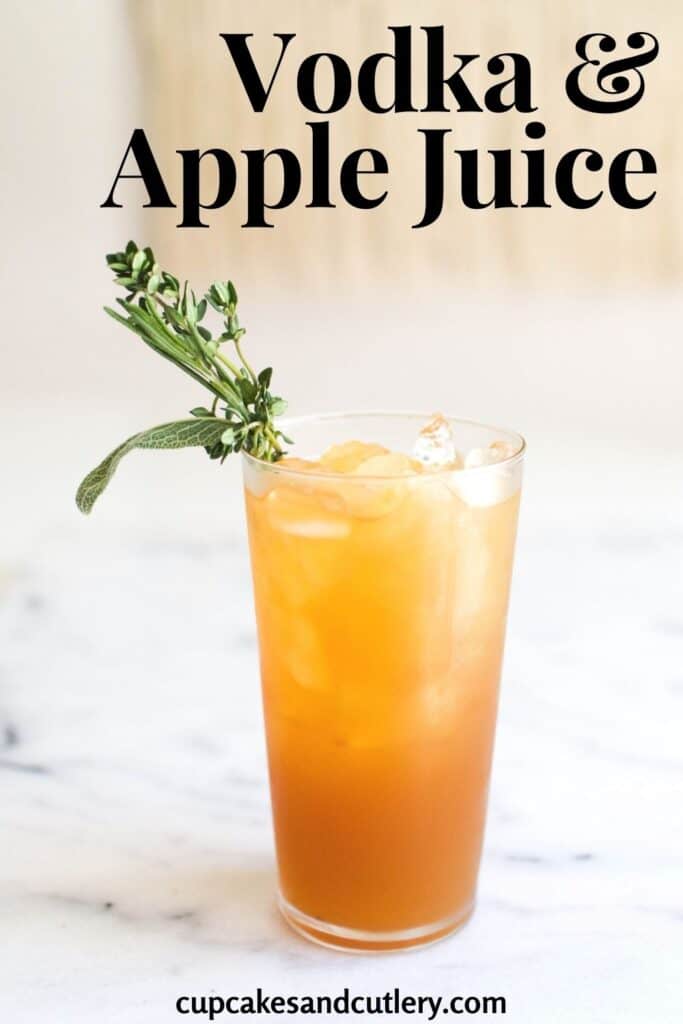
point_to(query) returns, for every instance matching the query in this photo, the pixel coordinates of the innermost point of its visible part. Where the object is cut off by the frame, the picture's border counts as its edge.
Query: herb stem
(226, 362)
(270, 434)
(244, 362)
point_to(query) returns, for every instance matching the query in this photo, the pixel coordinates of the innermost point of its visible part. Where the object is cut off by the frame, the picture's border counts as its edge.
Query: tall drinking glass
(381, 605)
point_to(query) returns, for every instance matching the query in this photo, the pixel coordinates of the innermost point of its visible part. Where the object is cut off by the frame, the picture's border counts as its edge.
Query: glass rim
(288, 422)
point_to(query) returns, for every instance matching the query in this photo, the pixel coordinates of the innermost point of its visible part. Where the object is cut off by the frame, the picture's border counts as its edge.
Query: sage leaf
(180, 434)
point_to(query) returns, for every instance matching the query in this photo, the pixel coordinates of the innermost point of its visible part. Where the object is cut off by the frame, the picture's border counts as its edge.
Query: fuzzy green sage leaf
(197, 433)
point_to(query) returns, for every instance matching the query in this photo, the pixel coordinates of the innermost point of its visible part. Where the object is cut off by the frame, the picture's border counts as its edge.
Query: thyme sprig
(169, 319)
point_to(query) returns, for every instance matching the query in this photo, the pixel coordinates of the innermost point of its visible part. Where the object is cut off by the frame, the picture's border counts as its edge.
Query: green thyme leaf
(248, 389)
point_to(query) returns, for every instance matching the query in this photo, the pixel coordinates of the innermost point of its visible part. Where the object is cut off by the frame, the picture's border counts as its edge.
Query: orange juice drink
(381, 586)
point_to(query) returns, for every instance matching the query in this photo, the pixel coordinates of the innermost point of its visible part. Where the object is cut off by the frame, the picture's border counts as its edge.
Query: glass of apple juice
(381, 555)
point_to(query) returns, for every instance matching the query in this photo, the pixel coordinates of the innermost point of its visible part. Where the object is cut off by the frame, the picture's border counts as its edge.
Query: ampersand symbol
(619, 83)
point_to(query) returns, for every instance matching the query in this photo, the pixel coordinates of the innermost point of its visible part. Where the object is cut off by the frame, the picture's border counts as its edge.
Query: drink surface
(381, 590)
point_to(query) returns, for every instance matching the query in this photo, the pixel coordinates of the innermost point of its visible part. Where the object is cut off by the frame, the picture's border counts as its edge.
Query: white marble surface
(136, 858)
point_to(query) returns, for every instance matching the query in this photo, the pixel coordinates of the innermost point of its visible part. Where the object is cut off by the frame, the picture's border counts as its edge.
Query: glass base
(351, 940)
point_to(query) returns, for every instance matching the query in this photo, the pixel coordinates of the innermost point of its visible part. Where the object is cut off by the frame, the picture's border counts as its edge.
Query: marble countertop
(136, 860)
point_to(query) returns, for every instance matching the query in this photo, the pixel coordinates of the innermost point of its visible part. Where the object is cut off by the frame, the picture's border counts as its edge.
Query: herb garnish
(169, 318)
